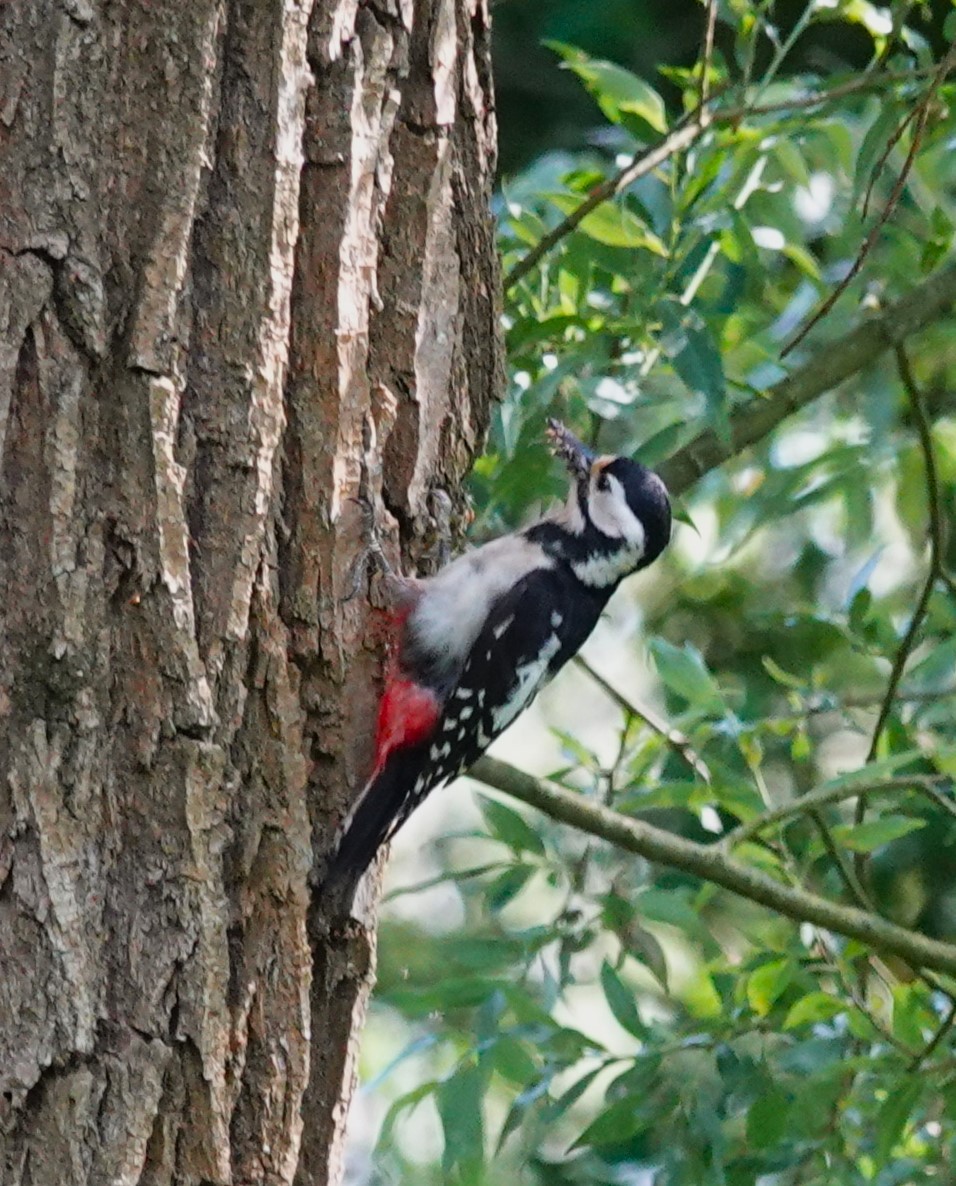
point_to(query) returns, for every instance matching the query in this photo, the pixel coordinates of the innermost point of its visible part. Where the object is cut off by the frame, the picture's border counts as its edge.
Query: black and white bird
(476, 643)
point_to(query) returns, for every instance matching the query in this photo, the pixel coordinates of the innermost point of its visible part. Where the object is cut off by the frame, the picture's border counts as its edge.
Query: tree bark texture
(247, 274)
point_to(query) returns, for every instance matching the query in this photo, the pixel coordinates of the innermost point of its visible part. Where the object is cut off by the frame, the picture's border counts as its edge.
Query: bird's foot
(371, 561)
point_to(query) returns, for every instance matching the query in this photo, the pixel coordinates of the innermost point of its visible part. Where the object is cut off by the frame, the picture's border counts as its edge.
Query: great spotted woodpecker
(477, 642)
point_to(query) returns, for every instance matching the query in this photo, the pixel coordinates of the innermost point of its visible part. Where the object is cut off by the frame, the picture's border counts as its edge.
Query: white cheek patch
(613, 517)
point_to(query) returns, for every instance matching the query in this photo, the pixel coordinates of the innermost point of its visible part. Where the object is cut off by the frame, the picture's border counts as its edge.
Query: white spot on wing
(503, 626)
(556, 619)
(529, 678)
(463, 693)
(465, 713)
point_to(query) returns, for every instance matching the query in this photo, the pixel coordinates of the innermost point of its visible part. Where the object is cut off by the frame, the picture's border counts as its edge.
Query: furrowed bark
(246, 274)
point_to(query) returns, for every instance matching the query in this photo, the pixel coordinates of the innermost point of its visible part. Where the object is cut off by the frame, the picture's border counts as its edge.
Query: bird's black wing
(531, 632)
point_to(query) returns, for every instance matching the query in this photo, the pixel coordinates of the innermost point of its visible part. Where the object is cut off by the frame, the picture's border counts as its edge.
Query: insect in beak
(574, 453)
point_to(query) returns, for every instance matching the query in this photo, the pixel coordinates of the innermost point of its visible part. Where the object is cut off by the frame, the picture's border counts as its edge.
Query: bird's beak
(574, 453)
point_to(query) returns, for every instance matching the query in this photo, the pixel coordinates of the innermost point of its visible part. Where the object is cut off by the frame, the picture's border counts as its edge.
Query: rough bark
(246, 274)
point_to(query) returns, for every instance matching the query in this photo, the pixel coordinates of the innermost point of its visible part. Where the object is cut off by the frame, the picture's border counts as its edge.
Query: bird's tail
(386, 801)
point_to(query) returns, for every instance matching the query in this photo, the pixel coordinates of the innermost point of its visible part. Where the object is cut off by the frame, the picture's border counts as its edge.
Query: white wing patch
(455, 603)
(529, 678)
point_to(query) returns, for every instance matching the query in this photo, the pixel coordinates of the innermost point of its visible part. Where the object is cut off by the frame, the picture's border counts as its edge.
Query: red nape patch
(407, 715)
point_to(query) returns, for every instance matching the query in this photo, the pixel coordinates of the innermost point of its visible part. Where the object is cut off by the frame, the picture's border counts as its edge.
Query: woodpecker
(476, 643)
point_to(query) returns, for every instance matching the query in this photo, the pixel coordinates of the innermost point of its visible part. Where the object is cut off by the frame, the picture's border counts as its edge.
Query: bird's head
(620, 500)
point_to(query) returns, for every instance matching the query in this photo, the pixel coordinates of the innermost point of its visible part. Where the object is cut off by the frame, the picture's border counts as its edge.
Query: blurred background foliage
(550, 1010)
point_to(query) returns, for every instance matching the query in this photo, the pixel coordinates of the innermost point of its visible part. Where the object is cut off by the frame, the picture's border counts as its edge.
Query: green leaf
(513, 1061)
(615, 1124)
(451, 993)
(621, 1002)
(618, 92)
(815, 1006)
(875, 833)
(913, 1018)
(768, 1119)
(873, 146)
(645, 947)
(505, 888)
(612, 224)
(509, 826)
(777, 673)
(683, 671)
(766, 983)
(687, 343)
(405, 1103)
(669, 906)
(894, 1113)
(872, 772)
(523, 1102)
(459, 1101)
(559, 1106)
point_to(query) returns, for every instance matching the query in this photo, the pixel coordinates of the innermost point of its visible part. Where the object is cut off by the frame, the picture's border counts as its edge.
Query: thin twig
(710, 863)
(674, 738)
(895, 137)
(936, 529)
(682, 136)
(707, 54)
(933, 1044)
(896, 193)
(848, 874)
(832, 958)
(908, 696)
(936, 544)
(854, 86)
(823, 372)
(825, 797)
(783, 48)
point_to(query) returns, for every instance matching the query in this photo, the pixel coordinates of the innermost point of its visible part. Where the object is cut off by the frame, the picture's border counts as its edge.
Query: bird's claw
(372, 556)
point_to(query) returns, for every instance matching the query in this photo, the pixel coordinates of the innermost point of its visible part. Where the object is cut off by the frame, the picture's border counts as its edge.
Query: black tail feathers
(385, 803)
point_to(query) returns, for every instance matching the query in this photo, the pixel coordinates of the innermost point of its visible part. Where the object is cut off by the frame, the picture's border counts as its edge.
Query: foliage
(591, 1018)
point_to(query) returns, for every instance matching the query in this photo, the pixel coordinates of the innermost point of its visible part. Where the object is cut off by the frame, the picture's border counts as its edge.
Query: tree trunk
(247, 273)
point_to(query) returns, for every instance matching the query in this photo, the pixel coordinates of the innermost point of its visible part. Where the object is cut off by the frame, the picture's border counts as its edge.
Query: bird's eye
(603, 482)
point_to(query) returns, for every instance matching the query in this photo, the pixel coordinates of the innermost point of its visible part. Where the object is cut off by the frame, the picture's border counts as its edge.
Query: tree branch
(682, 136)
(919, 119)
(824, 797)
(936, 545)
(673, 737)
(707, 53)
(712, 864)
(833, 364)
